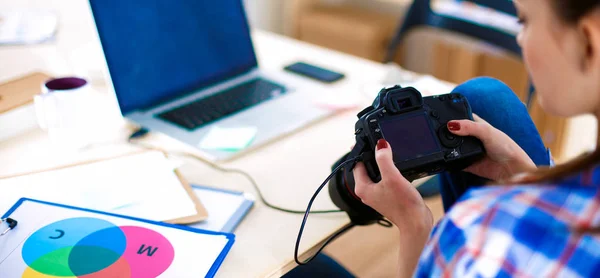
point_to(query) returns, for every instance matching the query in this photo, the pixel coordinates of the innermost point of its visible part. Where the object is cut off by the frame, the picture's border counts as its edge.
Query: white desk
(288, 170)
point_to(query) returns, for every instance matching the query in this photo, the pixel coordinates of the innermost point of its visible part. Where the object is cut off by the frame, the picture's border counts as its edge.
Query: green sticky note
(228, 139)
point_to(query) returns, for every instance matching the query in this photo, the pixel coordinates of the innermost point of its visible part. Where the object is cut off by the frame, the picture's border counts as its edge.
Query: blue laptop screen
(158, 50)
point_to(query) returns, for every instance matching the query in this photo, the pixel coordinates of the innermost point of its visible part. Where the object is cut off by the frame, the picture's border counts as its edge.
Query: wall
(274, 15)
(417, 57)
(266, 14)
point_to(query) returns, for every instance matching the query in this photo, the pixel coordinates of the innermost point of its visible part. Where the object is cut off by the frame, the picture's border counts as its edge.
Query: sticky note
(228, 139)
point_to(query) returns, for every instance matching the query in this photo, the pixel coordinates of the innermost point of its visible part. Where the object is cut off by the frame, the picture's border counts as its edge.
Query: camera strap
(351, 160)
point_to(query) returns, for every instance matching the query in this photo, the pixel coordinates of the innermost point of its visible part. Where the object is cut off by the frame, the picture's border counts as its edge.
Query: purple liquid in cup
(64, 84)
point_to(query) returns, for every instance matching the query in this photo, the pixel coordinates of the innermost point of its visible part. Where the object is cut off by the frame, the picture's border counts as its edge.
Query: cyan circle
(97, 251)
(56, 236)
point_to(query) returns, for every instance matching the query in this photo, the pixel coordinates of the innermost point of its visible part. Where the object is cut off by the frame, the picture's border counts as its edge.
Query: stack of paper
(142, 185)
(226, 208)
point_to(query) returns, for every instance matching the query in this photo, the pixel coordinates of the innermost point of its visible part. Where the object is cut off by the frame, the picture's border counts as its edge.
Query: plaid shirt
(519, 231)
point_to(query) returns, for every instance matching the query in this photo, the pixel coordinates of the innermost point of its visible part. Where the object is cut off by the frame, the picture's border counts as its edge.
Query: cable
(236, 171)
(312, 199)
(338, 233)
(255, 185)
(329, 239)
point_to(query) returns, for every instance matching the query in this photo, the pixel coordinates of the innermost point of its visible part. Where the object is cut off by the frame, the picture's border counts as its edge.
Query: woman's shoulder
(519, 201)
(524, 202)
(496, 230)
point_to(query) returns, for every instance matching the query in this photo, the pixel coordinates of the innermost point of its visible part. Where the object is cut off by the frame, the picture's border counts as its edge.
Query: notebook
(143, 184)
(226, 208)
(56, 240)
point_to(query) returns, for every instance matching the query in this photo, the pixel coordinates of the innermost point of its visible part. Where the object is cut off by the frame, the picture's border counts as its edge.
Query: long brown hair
(570, 12)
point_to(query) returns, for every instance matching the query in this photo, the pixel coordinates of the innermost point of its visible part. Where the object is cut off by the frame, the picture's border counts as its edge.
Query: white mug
(65, 109)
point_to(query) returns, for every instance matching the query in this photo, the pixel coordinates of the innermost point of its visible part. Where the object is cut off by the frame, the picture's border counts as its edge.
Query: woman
(526, 222)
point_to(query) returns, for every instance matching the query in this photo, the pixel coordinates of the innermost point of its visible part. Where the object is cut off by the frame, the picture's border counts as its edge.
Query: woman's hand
(394, 196)
(398, 200)
(504, 158)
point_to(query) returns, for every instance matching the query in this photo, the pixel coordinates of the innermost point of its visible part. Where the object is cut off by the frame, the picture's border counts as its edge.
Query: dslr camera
(422, 145)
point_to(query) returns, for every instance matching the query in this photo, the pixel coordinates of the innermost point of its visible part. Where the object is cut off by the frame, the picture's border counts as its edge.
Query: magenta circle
(148, 253)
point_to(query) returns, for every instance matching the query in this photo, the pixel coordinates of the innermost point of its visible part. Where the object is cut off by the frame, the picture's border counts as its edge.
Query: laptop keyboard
(205, 110)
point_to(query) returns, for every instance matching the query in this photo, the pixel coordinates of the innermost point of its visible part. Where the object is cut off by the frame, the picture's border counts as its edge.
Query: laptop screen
(158, 50)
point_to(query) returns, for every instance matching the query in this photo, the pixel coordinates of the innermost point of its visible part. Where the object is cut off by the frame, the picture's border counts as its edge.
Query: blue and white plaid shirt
(519, 231)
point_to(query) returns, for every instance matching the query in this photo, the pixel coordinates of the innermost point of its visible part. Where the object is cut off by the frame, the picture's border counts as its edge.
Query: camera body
(422, 145)
(416, 128)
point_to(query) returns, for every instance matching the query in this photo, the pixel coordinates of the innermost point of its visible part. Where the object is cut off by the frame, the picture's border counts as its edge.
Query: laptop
(184, 67)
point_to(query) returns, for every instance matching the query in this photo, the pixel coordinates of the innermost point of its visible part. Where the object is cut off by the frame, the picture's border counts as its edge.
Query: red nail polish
(381, 144)
(455, 126)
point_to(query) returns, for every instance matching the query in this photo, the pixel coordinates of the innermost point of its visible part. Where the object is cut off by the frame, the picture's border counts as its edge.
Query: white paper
(177, 253)
(27, 26)
(335, 101)
(141, 185)
(430, 86)
(221, 206)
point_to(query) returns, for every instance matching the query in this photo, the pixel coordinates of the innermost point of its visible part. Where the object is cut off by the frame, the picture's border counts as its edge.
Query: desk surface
(288, 170)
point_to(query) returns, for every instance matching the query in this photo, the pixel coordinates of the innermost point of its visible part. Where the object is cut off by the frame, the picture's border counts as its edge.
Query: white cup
(65, 110)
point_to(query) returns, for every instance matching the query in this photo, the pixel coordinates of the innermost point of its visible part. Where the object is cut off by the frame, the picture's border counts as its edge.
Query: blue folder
(215, 266)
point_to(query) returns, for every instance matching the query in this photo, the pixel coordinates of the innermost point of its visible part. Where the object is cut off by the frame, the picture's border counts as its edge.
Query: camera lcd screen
(410, 137)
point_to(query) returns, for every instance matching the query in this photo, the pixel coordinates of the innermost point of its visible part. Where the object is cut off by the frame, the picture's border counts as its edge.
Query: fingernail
(381, 144)
(454, 126)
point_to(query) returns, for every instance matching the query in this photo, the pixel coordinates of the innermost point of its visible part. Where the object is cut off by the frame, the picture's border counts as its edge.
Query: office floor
(372, 251)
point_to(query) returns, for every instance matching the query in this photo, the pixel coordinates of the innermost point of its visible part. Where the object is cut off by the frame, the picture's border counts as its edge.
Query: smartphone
(314, 72)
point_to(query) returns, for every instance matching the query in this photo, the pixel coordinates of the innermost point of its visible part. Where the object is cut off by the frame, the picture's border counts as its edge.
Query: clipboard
(201, 212)
(61, 240)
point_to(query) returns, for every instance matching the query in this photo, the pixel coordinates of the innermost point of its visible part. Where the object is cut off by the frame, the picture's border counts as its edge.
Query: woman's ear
(589, 38)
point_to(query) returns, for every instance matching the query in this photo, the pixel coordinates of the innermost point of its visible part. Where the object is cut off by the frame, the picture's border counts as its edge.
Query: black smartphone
(314, 72)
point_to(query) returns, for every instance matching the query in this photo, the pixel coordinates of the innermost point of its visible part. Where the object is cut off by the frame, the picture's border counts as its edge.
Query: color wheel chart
(87, 247)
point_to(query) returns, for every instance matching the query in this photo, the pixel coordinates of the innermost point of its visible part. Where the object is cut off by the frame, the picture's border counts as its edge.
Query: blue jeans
(321, 266)
(497, 104)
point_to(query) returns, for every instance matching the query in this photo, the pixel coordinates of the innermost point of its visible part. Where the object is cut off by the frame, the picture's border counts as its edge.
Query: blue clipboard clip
(11, 224)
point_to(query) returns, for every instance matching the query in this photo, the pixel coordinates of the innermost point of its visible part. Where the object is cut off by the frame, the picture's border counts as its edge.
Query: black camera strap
(352, 159)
